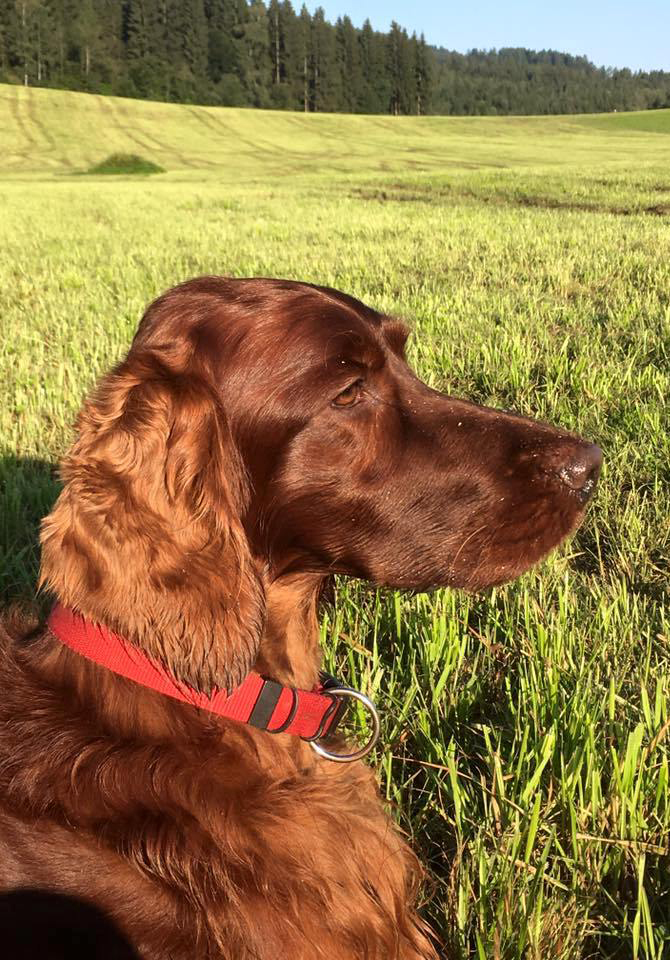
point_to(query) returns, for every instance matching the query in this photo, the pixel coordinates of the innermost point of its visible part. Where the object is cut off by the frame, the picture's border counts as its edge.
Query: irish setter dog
(259, 436)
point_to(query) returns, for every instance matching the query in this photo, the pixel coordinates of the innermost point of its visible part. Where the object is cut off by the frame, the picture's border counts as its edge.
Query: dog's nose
(581, 470)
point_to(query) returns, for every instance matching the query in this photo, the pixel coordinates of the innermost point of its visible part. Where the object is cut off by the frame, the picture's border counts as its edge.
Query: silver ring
(374, 737)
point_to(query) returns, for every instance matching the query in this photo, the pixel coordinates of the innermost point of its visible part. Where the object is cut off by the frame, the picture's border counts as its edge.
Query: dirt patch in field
(552, 203)
(399, 193)
(659, 209)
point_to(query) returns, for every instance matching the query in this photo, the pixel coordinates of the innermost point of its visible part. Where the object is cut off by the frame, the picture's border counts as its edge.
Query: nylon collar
(264, 704)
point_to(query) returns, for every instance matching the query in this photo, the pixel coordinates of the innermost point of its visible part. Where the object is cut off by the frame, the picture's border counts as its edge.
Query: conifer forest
(270, 55)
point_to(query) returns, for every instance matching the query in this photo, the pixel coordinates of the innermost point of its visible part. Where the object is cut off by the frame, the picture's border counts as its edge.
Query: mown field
(526, 743)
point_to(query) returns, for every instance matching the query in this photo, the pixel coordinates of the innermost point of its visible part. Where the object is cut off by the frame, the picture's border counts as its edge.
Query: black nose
(581, 471)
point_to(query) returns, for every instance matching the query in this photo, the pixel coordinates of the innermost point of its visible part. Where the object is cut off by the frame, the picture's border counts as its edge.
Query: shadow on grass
(28, 489)
(124, 164)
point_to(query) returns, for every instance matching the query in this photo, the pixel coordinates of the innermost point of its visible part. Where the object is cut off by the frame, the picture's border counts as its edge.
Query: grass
(526, 743)
(125, 164)
(47, 132)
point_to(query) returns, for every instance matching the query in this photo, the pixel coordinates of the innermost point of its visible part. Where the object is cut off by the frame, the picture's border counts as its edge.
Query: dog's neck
(289, 653)
(289, 650)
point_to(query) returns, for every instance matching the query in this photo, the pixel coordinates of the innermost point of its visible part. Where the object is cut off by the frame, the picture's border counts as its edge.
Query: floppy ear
(146, 535)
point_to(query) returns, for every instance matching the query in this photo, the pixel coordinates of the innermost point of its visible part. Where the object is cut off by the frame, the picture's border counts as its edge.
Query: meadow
(526, 732)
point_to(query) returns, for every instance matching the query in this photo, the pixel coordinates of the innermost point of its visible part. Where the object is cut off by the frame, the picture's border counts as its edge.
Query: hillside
(54, 132)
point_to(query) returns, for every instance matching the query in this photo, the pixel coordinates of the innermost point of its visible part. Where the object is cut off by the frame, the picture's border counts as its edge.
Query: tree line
(520, 81)
(255, 54)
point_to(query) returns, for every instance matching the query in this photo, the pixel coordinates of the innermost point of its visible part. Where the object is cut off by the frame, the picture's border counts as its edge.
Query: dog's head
(260, 428)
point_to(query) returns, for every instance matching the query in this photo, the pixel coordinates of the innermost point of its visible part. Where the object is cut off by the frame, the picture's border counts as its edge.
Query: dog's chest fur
(218, 841)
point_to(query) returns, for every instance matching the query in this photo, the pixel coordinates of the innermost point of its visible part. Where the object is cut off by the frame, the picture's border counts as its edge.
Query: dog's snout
(581, 469)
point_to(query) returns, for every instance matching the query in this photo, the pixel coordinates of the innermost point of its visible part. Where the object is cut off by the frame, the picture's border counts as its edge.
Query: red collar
(264, 704)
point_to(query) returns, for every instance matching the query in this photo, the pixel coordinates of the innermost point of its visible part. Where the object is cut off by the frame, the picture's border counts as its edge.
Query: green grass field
(526, 743)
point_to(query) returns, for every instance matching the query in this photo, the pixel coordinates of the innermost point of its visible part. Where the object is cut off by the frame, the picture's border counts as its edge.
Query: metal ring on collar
(374, 737)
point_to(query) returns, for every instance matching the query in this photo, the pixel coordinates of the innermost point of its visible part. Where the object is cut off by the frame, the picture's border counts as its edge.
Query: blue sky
(611, 34)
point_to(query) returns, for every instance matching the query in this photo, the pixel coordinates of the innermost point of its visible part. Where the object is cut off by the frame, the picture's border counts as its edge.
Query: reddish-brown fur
(259, 436)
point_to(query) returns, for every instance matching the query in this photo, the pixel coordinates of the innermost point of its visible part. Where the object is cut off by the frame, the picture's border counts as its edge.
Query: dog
(260, 436)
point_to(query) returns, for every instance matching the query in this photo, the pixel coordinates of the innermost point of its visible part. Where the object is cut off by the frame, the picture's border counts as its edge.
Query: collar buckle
(343, 694)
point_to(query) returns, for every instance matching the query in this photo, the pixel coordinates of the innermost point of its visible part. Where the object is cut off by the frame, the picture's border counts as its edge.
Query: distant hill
(519, 81)
(65, 135)
(249, 54)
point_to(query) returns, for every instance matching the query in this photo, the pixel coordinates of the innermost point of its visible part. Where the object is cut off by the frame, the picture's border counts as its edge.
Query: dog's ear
(146, 536)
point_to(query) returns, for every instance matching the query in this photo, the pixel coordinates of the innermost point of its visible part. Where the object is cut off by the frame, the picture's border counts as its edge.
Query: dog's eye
(350, 396)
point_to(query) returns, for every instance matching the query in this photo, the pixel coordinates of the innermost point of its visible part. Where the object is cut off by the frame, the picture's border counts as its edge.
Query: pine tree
(422, 74)
(63, 61)
(221, 53)
(7, 40)
(400, 68)
(293, 46)
(226, 67)
(325, 81)
(374, 94)
(27, 31)
(186, 45)
(349, 66)
(145, 33)
(305, 60)
(274, 38)
(257, 62)
(86, 33)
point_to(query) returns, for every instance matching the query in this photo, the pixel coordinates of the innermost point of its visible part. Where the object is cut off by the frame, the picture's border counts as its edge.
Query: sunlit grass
(58, 132)
(526, 733)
